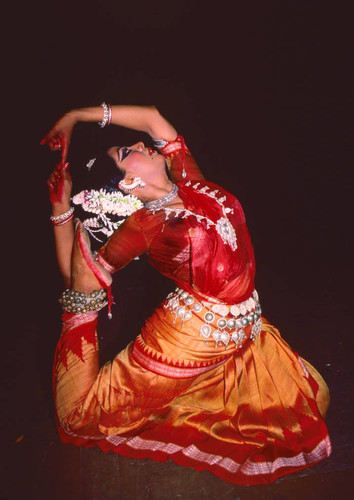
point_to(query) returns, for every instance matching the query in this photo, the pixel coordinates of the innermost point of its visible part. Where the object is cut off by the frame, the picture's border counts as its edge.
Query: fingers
(53, 139)
(60, 172)
(59, 183)
(55, 143)
(65, 171)
(56, 175)
(64, 151)
(53, 182)
(58, 138)
(48, 137)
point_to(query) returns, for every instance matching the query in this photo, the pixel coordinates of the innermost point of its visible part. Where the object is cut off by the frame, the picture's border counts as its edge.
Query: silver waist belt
(222, 322)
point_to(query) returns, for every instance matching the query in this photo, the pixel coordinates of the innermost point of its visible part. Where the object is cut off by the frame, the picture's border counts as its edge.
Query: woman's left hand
(59, 137)
(60, 185)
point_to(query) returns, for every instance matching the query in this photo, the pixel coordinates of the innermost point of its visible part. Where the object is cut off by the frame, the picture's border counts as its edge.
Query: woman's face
(139, 161)
(135, 157)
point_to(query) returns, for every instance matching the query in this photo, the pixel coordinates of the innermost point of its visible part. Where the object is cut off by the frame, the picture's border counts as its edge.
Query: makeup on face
(123, 153)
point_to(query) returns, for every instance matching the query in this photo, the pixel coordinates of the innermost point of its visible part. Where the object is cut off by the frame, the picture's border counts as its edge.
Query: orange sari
(248, 411)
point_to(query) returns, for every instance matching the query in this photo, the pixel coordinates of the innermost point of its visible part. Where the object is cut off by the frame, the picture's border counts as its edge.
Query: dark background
(261, 92)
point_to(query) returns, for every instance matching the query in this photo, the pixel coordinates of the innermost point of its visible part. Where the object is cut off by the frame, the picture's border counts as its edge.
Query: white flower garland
(102, 203)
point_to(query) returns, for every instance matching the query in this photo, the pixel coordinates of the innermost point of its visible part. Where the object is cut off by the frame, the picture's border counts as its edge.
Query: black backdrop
(261, 92)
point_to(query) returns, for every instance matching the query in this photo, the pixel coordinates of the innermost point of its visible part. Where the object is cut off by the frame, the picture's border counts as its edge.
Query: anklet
(77, 302)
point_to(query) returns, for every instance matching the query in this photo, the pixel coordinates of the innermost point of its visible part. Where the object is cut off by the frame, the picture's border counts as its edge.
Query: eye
(124, 153)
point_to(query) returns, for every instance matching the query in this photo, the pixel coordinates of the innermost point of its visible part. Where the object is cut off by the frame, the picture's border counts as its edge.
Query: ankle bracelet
(77, 302)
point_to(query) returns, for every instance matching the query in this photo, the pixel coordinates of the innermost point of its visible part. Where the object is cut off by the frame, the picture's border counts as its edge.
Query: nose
(140, 146)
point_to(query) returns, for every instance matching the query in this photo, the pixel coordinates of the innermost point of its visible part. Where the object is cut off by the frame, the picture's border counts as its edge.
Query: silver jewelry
(221, 322)
(65, 221)
(90, 163)
(173, 146)
(78, 302)
(156, 204)
(58, 218)
(159, 143)
(107, 113)
(137, 182)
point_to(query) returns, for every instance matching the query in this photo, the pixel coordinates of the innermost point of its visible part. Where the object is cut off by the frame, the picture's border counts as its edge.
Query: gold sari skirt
(248, 415)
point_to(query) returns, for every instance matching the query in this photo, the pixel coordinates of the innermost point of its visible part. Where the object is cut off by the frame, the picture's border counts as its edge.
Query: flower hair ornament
(129, 187)
(110, 207)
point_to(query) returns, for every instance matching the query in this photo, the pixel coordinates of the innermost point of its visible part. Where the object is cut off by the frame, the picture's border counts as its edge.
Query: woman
(208, 382)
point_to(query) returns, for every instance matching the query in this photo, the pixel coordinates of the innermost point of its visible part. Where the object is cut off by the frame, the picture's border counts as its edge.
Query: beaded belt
(228, 327)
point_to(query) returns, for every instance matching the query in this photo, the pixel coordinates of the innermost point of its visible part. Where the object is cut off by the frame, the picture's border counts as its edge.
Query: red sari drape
(248, 415)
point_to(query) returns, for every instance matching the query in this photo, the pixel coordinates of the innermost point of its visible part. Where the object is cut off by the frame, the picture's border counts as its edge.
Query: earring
(136, 182)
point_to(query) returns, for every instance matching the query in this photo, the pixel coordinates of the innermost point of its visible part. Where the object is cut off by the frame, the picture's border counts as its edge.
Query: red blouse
(205, 247)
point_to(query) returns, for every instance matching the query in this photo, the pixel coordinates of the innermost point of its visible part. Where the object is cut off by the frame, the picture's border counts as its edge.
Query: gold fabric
(261, 403)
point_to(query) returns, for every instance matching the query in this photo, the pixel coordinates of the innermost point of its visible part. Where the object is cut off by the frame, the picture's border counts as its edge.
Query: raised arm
(60, 187)
(142, 118)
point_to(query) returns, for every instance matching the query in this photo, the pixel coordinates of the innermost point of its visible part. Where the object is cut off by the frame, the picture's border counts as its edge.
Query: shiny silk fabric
(248, 415)
(185, 250)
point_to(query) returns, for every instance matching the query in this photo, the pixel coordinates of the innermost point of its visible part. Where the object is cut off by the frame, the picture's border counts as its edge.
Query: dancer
(208, 382)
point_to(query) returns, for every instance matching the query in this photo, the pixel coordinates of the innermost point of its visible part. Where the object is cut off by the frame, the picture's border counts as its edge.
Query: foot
(86, 274)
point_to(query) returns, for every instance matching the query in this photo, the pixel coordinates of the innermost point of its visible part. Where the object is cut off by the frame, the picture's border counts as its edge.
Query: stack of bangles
(107, 115)
(60, 220)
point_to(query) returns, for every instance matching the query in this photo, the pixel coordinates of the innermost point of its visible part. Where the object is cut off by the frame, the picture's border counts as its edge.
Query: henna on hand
(58, 138)
(60, 184)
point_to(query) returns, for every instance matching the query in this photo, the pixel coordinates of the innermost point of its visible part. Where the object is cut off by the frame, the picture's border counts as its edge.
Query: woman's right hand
(60, 187)
(59, 136)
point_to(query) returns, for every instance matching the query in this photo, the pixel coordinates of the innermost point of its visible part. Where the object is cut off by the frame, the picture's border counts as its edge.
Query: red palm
(59, 184)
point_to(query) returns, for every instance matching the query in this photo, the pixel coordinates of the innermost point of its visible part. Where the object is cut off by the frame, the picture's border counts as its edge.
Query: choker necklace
(161, 202)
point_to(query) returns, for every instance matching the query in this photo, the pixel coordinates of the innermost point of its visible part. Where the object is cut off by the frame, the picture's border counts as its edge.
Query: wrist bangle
(59, 218)
(61, 223)
(107, 115)
(159, 143)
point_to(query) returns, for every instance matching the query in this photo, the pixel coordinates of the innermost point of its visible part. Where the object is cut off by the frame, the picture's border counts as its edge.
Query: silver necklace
(161, 202)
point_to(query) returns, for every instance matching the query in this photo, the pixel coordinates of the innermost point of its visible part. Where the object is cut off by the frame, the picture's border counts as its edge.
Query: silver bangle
(58, 218)
(159, 143)
(107, 113)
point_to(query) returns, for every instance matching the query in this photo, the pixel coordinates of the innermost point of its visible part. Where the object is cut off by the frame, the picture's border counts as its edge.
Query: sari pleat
(248, 415)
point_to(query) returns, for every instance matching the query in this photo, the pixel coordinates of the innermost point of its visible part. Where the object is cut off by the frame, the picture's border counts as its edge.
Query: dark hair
(101, 173)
